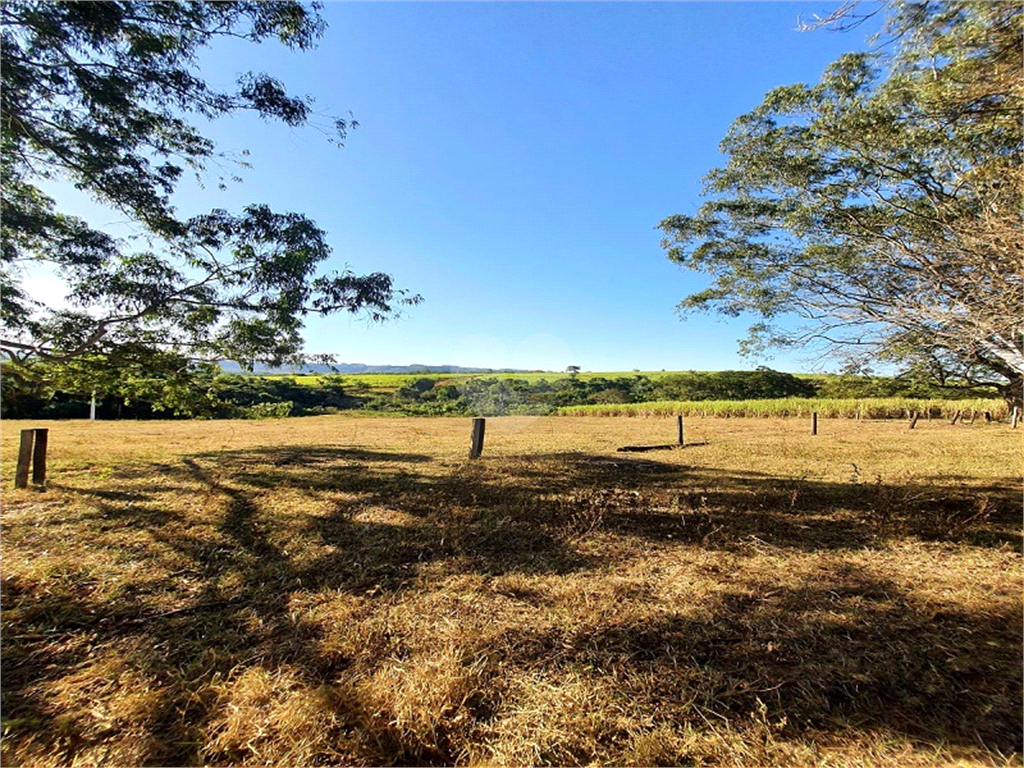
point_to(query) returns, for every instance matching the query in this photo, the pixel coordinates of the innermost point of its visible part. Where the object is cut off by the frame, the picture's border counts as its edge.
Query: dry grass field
(345, 590)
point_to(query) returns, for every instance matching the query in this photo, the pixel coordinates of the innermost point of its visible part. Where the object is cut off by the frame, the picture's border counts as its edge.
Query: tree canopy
(881, 206)
(100, 95)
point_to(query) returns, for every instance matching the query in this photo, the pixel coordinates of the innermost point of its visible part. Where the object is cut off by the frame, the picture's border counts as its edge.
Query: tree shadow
(301, 455)
(664, 447)
(847, 650)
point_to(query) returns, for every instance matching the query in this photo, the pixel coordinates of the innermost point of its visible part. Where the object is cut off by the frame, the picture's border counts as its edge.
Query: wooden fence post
(476, 443)
(956, 416)
(913, 419)
(679, 424)
(814, 423)
(988, 417)
(39, 457)
(1015, 418)
(24, 458)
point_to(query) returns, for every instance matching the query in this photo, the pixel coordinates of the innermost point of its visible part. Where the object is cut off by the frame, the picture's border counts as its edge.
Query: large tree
(100, 95)
(882, 206)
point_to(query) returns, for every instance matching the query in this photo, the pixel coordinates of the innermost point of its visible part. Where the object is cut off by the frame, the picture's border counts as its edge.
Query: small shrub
(268, 410)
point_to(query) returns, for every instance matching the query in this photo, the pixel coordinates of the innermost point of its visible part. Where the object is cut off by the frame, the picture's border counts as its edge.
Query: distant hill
(229, 366)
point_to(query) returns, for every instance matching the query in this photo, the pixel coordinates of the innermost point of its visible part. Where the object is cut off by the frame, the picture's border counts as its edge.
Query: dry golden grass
(343, 590)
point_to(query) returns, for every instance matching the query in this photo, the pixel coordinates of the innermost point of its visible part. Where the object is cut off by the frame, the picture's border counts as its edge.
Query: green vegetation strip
(868, 408)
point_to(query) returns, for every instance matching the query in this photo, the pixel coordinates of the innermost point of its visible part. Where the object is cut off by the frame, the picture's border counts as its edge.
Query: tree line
(258, 397)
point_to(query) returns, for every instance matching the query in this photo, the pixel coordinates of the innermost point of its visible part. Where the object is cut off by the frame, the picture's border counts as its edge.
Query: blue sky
(511, 165)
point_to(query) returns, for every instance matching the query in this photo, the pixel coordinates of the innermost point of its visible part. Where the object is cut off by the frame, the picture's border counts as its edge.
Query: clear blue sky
(511, 165)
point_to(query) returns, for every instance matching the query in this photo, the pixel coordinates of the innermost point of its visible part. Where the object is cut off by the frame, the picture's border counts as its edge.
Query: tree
(158, 382)
(881, 206)
(100, 94)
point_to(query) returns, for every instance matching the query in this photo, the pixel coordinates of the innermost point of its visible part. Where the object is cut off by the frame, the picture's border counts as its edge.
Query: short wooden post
(92, 407)
(956, 416)
(24, 458)
(988, 417)
(858, 414)
(679, 425)
(913, 419)
(476, 443)
(974, 415)
(814, 423)
(39, 457)
(1015, 418)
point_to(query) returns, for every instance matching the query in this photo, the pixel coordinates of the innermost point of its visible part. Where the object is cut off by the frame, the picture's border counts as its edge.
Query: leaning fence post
(39, 457)
(24, 458)
(913, 419)
(814, 423)
(955, 417)
(476, 442)
(679, 424)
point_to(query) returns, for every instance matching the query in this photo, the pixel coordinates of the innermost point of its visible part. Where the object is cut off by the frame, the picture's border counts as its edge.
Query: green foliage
(141, 384)
(881, 206)
(486, 396)
(732, 385)
(239, 394)
(101, 94)
(498, 397)
(268, 410)
(848, 386)
(146, 393)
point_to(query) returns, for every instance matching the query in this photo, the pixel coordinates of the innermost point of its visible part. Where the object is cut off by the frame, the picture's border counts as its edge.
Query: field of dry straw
(344, 590)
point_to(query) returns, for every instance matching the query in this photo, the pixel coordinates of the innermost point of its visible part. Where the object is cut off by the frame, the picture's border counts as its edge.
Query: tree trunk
(1013, 392)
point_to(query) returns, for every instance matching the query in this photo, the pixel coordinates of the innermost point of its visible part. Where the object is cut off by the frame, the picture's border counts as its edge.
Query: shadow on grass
(664, 447)
(846, 651)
